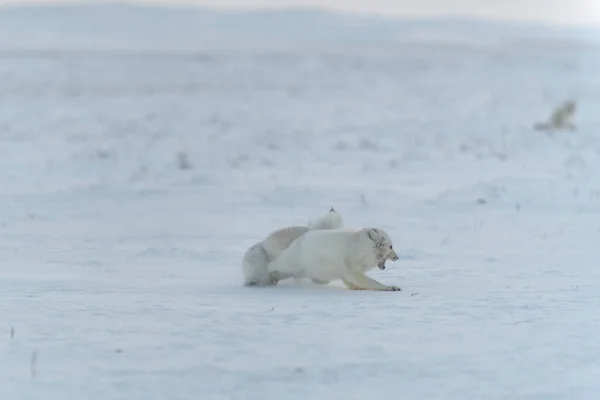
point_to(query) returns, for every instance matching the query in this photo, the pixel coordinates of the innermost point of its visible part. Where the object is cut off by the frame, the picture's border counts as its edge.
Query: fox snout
(393, 256)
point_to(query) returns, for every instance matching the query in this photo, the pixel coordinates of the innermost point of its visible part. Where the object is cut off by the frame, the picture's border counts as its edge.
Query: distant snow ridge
(127, 26)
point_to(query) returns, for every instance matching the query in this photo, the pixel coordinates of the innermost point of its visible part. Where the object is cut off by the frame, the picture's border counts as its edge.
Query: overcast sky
(579, 12)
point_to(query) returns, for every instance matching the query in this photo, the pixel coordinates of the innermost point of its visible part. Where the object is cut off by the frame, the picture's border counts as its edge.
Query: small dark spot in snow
(501, 156)
(239, 160)
(414, 294)
(267, 163)
(575, 160)
(118, 350)
(33, 364)
(341, 146)
(273, 146)
(183, 161)
(103, 154)
(363, 199)
(525, 321)
(366, 144)
(12, 332)
(481, 201)
(298, 370)
(141, 172)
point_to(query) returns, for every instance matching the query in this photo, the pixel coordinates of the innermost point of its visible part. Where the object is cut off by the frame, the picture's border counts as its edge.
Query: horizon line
(432, 17)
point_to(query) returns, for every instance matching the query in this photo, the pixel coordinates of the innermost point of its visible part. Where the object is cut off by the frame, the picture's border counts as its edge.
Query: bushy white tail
(331, 220)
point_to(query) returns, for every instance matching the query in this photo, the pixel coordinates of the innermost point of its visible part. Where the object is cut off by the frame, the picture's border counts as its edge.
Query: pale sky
(571, 12)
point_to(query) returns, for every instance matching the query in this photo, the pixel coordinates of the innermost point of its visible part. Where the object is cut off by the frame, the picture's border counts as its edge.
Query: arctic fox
(327, 255)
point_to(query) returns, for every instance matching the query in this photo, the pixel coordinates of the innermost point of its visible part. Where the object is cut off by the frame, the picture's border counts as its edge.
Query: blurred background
(123, 94)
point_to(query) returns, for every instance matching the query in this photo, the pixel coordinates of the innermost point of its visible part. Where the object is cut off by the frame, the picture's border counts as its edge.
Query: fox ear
(373, 234)
(331, 209)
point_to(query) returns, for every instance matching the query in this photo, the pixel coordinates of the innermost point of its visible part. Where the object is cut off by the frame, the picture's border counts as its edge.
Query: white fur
(256, 258)
(331, 220)
(327, 255)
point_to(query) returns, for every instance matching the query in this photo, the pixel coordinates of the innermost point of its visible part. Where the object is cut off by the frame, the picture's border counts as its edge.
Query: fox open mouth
(381, 265)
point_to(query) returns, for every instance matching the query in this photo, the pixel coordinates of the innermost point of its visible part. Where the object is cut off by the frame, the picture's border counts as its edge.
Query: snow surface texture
(133, 184)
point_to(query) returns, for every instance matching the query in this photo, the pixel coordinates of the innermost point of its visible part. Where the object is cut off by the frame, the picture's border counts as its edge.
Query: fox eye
(391, 247)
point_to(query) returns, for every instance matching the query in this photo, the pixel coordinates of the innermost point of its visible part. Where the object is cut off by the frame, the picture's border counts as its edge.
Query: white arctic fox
(327, 255)
(256, 258)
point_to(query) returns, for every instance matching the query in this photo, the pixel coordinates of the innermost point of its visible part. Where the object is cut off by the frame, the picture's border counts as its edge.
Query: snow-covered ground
(120, 271)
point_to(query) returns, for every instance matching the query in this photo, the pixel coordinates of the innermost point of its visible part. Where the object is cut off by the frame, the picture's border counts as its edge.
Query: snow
(121, 272)
(126, 25)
